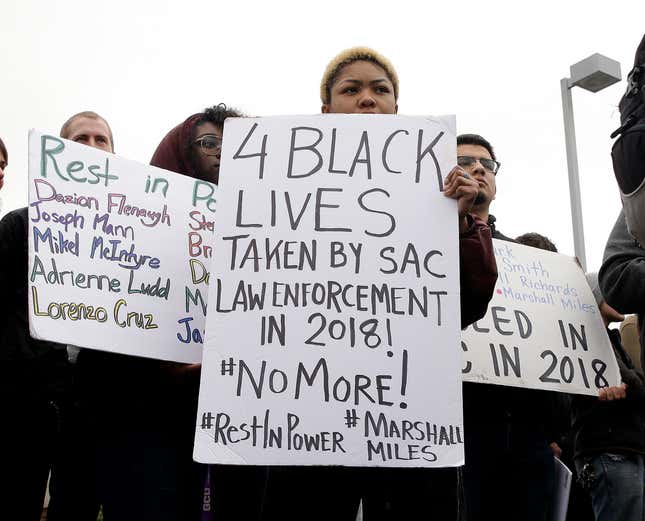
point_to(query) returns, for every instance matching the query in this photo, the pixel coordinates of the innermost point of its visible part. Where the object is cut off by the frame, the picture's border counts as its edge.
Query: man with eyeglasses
(477, 157)
(509, 471)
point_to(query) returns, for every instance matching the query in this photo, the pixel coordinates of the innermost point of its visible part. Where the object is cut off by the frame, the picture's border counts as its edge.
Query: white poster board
(333, 326)
(542, 330)
(561, 492)
(118, 252)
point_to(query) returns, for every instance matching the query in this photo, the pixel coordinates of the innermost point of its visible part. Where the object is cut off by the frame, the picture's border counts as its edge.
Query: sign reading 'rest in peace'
(333, 324)
(118, 252)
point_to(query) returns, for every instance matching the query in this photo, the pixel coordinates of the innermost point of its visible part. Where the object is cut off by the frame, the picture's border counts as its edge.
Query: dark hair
(476, 139)
(537, 241)
(3, 149)
(216, 115)
(64, 130)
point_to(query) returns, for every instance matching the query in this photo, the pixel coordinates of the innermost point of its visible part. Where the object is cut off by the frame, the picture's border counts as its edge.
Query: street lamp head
(595, 73)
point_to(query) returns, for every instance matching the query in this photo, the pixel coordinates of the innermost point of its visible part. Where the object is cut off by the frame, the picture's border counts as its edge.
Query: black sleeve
(622, 275)
(13, 249)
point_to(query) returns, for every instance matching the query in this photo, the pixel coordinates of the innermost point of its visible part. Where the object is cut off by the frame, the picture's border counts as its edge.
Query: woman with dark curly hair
(142, 411)
(194, 147)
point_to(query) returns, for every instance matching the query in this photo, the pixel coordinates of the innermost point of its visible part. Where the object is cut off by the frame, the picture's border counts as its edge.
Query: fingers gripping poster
(119, 252)
(333, 323)
(542, 330)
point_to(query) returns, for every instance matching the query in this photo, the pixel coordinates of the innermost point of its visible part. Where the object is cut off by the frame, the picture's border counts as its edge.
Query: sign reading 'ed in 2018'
(333, 325)
(542, 330)
(118, 252)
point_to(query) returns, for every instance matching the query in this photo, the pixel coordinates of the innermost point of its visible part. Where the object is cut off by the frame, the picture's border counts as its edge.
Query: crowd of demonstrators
(117, 431)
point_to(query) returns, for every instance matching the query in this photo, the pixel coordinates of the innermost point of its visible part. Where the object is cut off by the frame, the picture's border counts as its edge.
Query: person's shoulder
(14, 218)
(19, 214)
(620, 240)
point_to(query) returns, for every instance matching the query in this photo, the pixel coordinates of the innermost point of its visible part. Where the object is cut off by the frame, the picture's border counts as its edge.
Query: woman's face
(3, 165)
(361, 87)
(207, 147)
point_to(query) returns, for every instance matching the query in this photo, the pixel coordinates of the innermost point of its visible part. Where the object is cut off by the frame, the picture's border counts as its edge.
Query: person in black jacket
(35, 375)
(33, 379)
(509, 470)
(33, 382)
(609, 438)
(622, 275)
(72, 485)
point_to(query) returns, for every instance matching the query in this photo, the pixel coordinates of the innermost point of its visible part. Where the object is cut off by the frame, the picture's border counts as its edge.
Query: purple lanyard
(207, 506)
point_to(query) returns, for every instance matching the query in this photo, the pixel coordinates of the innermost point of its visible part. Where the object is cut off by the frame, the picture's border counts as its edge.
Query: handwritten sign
(118, 252)
(543, 329)
(333, 326)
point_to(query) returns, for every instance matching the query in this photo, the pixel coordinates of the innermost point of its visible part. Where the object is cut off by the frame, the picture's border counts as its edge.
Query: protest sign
(333, 325)
(118, 252)
(542, 330)
(561, 492)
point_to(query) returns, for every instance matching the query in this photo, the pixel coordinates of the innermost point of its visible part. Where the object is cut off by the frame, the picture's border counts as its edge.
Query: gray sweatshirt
(622, 275)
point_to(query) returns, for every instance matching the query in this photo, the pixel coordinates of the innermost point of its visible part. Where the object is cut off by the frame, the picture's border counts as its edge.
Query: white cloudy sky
(146, 65)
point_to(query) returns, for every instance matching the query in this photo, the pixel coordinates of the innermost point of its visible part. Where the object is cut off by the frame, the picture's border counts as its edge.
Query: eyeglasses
(489, 164)
(209, 143)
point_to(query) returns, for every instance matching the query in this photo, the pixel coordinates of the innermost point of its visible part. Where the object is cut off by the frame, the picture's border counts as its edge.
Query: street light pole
(574, 178)
(593, 74)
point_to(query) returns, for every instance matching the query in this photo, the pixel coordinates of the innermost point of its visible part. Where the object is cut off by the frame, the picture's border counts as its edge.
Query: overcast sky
(147, 65)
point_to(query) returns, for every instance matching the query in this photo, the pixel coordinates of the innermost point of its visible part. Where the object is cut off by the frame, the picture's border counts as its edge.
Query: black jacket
(544, 412)
(622, 275)
(30, 369)
(617, 426)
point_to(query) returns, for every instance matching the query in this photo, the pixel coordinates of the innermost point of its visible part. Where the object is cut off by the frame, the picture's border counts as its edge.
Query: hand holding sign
(543, 328)
(460, 186)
